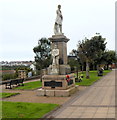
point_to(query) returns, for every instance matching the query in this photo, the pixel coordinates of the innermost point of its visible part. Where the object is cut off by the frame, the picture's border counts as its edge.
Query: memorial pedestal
(57, 85)
(57, 82)
(57, 93)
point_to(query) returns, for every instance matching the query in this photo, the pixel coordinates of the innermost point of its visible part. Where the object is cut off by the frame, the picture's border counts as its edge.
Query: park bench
(100, 72)
(11, 83)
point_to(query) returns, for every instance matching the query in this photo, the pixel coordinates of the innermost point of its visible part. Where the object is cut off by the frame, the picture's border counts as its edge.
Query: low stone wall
(32, 78)
(26, 79)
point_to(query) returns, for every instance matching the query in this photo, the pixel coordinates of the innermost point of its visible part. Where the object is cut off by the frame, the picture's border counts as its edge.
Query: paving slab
(97, 101)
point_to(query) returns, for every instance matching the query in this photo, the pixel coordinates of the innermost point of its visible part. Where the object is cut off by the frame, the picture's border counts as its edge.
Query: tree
(43, 55)
(99, 46)
(75, 61)
(85, 53)
(91, 50)
(109, 57)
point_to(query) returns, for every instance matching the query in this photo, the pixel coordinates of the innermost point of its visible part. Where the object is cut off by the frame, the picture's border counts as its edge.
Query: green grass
(93, 78)
(25, 110)
(30, 86)
(85, 82)
(5, 95)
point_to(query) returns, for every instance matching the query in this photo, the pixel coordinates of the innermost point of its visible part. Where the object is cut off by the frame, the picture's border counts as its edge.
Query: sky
(24, 22)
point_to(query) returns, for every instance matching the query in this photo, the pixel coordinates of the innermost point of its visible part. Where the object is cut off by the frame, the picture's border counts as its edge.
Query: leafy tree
(85, 53)
(109, 57)
(43, 56)
(91, 50)
(99, 46)
(74, 62)
(9, 76)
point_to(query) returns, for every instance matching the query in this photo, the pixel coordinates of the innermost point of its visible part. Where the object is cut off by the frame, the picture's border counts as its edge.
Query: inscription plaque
(52, 84)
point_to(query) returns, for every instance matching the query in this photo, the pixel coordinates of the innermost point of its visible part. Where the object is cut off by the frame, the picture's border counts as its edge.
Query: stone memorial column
(61, 42)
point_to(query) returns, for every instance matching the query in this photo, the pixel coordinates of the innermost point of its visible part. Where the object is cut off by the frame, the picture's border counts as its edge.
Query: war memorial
(55, 83)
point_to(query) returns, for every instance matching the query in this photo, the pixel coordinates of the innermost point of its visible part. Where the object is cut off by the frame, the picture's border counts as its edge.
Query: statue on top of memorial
(58, 22)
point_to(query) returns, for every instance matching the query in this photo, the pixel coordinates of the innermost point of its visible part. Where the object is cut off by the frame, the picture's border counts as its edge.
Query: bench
(16, 82)
(100, 73)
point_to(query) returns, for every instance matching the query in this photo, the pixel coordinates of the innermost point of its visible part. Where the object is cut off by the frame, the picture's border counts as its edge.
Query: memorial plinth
(57, 85)
(57, 82)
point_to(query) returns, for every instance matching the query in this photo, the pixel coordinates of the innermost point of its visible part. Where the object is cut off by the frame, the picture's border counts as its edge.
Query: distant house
(15, 63)
(113, 65)
(33, 67)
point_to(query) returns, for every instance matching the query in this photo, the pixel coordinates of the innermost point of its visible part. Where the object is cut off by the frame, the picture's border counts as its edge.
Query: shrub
(9, 76)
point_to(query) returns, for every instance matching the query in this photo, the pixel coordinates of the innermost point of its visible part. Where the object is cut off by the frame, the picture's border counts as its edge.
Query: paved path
(97, 101)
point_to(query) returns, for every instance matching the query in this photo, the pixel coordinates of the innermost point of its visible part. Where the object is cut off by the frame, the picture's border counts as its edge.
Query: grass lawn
(93, 78)
(25, 110)
(5, 95)
(85, 82)
(30, 86)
